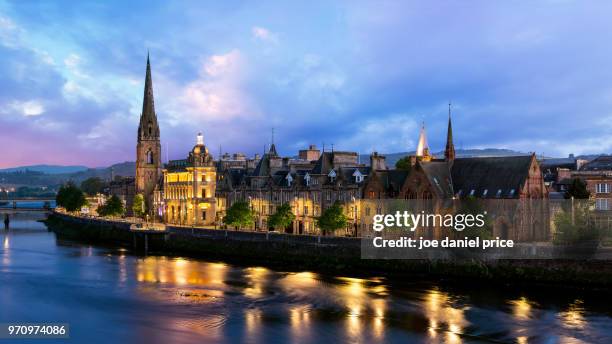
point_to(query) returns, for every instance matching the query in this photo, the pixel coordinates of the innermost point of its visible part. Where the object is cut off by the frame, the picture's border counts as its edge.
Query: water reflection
(182, 300)
(443, 317)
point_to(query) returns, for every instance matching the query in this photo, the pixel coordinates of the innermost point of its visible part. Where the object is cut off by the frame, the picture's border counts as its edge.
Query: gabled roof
(438, 174)
(491, 174)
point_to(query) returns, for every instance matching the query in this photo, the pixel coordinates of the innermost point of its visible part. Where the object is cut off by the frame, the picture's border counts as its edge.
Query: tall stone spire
(148, 147)
(449, 152)
(148, 128)
(422, 147)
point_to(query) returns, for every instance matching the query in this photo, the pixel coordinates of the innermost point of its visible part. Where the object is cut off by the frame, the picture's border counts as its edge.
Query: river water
(110, 295)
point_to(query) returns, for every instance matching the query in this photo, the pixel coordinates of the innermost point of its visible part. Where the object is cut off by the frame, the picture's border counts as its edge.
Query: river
(110, 295)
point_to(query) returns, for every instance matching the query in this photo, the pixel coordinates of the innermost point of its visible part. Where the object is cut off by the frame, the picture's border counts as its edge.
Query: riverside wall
(333, 254)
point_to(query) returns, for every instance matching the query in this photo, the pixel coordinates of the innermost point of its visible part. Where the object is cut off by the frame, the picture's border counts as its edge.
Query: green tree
(577, 189)
(239, 215)
(333, 218)
(403, 164)
(70, 197)
(138, 207)
(112, 207)
(93, 185)
(282, 217)
(575, 225)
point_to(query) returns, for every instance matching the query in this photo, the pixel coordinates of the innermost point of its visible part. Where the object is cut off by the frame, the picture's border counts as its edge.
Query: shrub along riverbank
(330, 255)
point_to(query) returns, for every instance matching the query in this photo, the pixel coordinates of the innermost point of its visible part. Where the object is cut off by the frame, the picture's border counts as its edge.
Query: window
(305, 210)
(602, 204)
(367, 211)
(511, 193)
(204, 215)
(498, 194)
(332, 175)
(149, 157)
(472, 192)
(602, 188)
(484, 193)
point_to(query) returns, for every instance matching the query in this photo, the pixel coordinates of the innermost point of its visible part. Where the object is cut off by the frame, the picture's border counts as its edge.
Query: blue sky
(523, 75)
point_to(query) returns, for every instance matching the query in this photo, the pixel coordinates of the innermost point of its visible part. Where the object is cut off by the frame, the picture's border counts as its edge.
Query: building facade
(188, 193)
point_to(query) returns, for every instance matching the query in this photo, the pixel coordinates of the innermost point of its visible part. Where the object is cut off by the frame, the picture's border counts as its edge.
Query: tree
(403, 164)
(112, 207)
(239, 215)
(138, 207)
(577, 189)
(333, 218)
(70, 197)
(93, 185)
(282, 218)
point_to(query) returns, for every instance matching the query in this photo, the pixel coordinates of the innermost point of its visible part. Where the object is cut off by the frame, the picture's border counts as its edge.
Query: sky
(532, 76)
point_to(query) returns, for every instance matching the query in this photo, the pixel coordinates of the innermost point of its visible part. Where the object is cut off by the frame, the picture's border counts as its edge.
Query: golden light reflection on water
(521, 308)
(179, 271)
(252, 320)
(256, 278)
(440, 312)
(574, 317)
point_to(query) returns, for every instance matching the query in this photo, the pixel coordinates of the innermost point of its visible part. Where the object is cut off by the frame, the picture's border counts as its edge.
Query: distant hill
(47, 169)
(392, 158)
(31, 177)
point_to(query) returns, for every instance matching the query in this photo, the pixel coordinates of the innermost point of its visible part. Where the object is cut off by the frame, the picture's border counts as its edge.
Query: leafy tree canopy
(239, 215)
(282, 217)
(577, 189)
(70, 197)
(93, 185)
(403, 164)
(112, 207)
(138, 207)
(333, 218)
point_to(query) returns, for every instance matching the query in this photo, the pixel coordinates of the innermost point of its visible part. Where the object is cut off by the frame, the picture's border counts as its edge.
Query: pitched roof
(438, 174)
(324, 164)
(491, 174)
(601, 163)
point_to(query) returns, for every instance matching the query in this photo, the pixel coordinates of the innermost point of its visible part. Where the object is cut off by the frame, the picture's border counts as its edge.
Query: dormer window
(498, 194)
(358, 176)
(484, 193)
(472, 192)
(512, 193)
(307, 179)
(289, 179)
(332, 175)
(459, 193)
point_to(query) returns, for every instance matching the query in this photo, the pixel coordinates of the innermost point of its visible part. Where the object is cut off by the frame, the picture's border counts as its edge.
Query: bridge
(12, 205)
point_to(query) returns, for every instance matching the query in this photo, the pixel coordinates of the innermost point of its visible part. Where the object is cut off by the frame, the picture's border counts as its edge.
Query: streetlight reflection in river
(439, 311)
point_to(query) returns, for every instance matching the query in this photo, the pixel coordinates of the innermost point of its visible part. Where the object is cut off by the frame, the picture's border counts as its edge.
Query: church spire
(422, 147)
(148, 128)
(449, 152)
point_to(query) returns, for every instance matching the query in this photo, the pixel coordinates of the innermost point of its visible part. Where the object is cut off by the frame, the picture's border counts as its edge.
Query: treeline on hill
(36, 178)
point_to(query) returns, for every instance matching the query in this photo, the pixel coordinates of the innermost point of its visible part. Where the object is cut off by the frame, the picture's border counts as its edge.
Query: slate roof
(438, 174)
(601, 163)
(491, 174)
(324, 164)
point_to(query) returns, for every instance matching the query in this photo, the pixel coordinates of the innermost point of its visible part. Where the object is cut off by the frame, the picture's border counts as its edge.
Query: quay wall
(326, 254)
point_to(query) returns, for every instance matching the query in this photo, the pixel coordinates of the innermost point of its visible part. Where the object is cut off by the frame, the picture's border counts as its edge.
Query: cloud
(263, 34)
(393, 133)
(28, 108)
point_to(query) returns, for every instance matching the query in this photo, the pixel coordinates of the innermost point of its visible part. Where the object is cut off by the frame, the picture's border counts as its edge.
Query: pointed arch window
(149, 157)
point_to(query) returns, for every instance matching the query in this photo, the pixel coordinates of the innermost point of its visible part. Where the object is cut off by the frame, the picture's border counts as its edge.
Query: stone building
(309, 187)
(597, 174)
(188, 196)
(148, 147)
